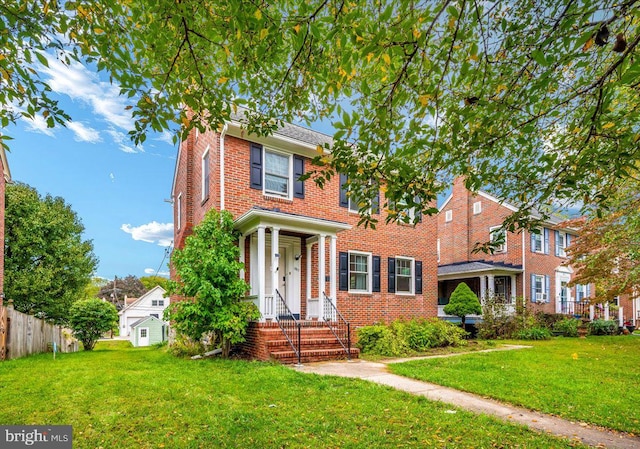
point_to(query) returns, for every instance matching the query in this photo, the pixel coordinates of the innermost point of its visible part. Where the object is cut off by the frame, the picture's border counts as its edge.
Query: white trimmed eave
(481, 272)
(278, 141)
(249, 221)
(5, 165)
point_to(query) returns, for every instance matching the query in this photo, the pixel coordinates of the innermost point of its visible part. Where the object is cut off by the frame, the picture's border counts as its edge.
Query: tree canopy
(536, 102)
(607, 249)
(152, 281)
(47, 263)
(114, 291)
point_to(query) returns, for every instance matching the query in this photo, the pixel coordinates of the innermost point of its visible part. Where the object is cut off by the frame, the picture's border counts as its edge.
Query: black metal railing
(340, 327)
(575, 308)
(289, 324)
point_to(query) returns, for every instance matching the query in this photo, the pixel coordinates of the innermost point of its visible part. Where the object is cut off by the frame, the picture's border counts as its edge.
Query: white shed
(151, 303)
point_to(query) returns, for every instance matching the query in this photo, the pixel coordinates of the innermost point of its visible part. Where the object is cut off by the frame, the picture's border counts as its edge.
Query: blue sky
(117, 189)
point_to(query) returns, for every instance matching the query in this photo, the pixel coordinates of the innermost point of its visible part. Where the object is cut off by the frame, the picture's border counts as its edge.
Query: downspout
(221, 148)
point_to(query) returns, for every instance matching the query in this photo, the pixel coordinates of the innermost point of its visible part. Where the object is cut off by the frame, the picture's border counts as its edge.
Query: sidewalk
(377, 372)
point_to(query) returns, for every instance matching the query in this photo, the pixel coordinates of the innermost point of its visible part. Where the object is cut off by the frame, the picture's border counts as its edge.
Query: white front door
(143, 336)
(564, 302)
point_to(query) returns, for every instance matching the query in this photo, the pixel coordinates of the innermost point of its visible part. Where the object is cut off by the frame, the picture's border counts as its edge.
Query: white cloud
(123, 142)
(112, 177)
(165, 137)
(154, 232)
(152, 272)
(80, 84)
(38, 124)
(84, 133)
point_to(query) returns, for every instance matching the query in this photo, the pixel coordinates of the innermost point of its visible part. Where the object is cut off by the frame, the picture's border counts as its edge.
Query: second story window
(499, 238)
(540, 241)
(562, 241)
(277, 173)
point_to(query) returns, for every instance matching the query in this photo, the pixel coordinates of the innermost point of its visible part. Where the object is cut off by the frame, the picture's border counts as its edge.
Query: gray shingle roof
(471, 267)
(292, 131)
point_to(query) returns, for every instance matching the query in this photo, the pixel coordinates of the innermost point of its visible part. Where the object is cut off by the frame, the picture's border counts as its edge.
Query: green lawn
(123, 397)
(595, 380)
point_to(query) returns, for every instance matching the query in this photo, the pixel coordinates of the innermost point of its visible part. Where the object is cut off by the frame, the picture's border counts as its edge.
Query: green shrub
(603, 327)
(185, 347)
(534, 333)
(463, 302)
(401, 338)
(567, 326)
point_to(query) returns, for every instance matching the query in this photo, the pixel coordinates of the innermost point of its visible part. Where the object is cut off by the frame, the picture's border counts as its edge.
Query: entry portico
(286, 255)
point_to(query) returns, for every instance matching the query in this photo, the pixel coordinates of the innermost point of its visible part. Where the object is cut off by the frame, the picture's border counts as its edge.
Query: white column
(621, 316)
(321, 275)
(592, 312)
(275, 243)
(332, 269)
(261, 268)
(492, 285)
(513, 288)
(483, 291)
(241, 257)
(606, 311)
(308, 278)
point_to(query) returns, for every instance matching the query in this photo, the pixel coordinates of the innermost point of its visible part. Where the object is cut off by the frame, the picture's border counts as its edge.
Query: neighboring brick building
(6, 177)
(307, 234)
(528, 265)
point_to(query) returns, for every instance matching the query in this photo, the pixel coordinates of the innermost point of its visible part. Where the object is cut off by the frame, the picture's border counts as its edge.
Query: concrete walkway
(377, 372)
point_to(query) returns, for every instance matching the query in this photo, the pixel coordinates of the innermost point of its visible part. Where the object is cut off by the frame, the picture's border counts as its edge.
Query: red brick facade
(387, 241)
(465, 220)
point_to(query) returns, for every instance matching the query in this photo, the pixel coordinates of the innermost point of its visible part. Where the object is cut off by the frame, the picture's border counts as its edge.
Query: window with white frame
(404, 275)
(539, 288)
(405, 214)
(448, 215)
(277, 173)
(581, 292)
(561, 242)
(477, 207)
(537, 243)
(157, 302)
(359, 272)
(206, 174)
(498, 236)
(143, 332)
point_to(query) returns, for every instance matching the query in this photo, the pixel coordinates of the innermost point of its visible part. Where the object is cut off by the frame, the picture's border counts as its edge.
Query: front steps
(266, 341)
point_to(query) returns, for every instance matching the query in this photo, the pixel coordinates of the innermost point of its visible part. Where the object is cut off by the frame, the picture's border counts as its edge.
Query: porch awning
(249, 221)
(478, 268)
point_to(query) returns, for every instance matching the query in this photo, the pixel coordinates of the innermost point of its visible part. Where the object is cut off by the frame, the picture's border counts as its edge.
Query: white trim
(448, 216)
(477, 207)
(369, 271)
(205, 167)
(179, 207)
(249, 221)
(445, 203)
(223, 133)
(496, 200)
(541, 235)
(412, 281)
(438, 249)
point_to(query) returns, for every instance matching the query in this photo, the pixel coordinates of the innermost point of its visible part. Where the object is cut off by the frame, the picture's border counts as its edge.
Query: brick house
(528, 265)
(300, 244)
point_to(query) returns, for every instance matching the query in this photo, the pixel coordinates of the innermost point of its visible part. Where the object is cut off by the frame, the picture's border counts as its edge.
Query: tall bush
(207, 276)
(90, 318)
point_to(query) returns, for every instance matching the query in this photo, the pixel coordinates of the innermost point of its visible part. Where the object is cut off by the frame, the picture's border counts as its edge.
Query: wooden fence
(22, 334)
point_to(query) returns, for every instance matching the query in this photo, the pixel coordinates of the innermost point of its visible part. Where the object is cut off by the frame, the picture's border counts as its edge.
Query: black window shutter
(376, 274)
(256, 166)
(391, 278)
(343, 269)
(344, 200)
(418, 266)
(298, 170)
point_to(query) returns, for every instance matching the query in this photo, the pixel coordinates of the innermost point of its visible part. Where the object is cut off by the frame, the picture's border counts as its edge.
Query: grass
(594, 380)
(122, 397)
